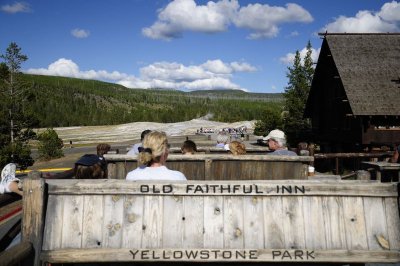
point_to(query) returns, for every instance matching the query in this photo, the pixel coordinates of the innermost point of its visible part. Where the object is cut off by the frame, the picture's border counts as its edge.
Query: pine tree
(16, 121)
(296, 93)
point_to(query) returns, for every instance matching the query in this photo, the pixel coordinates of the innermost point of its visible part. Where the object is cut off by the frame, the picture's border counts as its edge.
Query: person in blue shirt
(276, 141)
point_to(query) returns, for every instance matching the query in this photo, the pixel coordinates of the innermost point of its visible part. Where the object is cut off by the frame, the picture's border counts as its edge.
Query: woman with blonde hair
(152, 158)
(237, 148)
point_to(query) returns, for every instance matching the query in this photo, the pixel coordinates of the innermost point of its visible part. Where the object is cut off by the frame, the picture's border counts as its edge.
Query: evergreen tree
(15, 122)
(50, 145)
(271, 120)
(296, 93)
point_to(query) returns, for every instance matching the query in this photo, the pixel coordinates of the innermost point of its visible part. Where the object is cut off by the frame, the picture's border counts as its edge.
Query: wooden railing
(221, 167)
(352, 158)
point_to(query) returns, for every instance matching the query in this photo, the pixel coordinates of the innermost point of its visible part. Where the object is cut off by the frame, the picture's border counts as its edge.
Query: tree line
(61, 102)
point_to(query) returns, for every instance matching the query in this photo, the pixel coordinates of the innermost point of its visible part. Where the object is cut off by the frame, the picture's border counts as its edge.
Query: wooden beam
(218, 255)
(218, 188)
(216, 157)
(33, 213)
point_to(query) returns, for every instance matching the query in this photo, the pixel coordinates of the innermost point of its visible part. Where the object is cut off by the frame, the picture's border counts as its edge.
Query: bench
(221, 167)
(80, 221)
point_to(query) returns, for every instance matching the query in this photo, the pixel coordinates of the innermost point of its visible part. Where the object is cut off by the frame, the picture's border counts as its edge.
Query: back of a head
(189, 147)
(155, 144)
(102, 149)
(90, 166)
(237, 148)
(144, 133)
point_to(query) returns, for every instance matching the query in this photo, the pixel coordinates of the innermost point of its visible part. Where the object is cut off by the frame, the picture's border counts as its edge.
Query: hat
(275, 134)
(89, 160)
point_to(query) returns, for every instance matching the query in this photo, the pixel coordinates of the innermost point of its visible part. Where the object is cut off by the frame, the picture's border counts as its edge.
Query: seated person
(189, 147)
(302, 149)
(152, 158)
(90, 166)
(102, 148)
(222, 140)
(135, 148)
(9, 183)
(237, 148)
(276, 141)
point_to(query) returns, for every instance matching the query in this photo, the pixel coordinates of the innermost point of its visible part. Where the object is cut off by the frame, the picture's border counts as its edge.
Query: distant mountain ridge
(62, 101)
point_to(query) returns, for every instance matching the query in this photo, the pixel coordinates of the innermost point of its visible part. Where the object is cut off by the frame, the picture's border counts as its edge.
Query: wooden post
(207, 169)
(33, 213)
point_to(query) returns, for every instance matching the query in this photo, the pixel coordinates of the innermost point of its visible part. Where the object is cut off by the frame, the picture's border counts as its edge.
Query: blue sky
(181, 44)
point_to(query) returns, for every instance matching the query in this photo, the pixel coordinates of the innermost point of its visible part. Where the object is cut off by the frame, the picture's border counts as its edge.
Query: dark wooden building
(354, 99)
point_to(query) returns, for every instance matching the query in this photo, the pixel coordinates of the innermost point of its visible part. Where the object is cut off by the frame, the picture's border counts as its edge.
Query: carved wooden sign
(114, 220)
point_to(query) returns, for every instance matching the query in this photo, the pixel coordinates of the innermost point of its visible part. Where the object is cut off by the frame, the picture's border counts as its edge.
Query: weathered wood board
(221, 167)
(253, 221)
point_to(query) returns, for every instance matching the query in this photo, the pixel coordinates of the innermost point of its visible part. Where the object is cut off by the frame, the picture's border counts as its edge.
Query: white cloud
(185, 15)
(288, 59)
(16, 8)
(242, 67)
(385, 20)
(213, 74)
(390, 11)
(80, 33)
(264, 19)
(67, 68)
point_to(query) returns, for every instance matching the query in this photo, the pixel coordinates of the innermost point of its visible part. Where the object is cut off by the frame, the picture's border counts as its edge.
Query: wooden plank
(354, 221)
(212, 255)
(393, 222)
(33, 214)
(193, 225)
(111, 170)
(133, 221)
(92, 235)
(314, 228)
(193, 170)
(72, 222)
(213, 222)
(293, 221)
(52, 236)
(274, 233)
(266, 188)
(152, 225)
(233, 222)
(253, 222)
(112, 220)
(208, 173)
(223, 157)
(332, 211)
(375, 223)
(173, 220)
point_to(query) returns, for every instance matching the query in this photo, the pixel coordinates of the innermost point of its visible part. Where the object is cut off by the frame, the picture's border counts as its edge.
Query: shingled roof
(369, 68)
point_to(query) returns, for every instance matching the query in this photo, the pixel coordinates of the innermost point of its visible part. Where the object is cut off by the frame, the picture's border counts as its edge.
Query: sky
(181, 44)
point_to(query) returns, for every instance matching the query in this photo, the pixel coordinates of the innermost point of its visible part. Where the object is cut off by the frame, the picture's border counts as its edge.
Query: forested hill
(60, 101)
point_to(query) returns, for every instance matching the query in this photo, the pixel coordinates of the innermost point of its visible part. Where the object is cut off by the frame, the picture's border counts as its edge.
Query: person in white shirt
(152, 158)
(135, 148)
